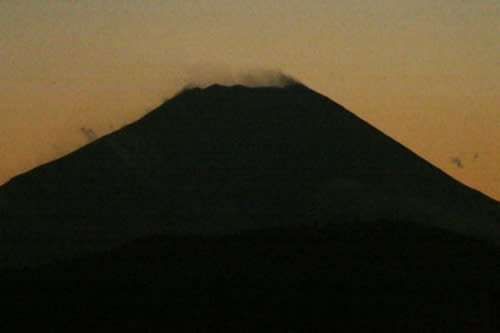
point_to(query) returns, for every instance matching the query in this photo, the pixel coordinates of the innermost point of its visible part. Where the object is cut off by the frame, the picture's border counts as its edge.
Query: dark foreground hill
(223, 159)
(383, 276)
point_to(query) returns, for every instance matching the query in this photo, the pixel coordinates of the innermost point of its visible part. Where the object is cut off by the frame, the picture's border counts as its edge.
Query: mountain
(221, 160)
(387, 277)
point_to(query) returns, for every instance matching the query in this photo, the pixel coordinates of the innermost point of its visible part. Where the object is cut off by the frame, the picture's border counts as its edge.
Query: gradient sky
(425, 72)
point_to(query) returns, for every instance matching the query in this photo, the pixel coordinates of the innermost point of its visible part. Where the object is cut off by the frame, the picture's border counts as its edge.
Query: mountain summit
(224, 159)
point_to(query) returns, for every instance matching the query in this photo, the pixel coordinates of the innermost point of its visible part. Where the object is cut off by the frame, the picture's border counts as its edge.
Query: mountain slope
(223, 159)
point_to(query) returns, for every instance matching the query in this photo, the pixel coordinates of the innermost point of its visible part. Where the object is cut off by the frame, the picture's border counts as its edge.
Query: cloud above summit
(205, 75)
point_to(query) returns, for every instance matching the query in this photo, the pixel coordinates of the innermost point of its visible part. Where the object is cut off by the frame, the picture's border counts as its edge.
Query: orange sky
(425, 72)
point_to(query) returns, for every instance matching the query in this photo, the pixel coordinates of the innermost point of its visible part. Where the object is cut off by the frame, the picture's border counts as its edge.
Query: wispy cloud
(457, 161)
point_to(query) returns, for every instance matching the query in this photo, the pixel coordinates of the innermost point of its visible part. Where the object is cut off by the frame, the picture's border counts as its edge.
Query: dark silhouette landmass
(388, 275)
(223, 159)
(236, 208)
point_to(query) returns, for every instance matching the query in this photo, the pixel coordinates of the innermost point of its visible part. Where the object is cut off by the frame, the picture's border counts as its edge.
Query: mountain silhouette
(388, 277)
(221, 160)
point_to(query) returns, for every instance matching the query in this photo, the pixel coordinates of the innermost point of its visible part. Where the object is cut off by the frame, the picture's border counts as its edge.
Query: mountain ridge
(293, 85)
(396, 277)
(220, 159)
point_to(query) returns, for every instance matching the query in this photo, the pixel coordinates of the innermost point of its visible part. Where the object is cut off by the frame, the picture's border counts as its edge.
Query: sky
(424, 72)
